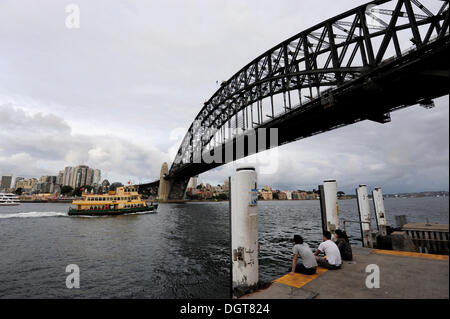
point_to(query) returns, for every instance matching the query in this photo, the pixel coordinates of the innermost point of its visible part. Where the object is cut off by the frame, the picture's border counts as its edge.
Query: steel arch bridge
(361, 64)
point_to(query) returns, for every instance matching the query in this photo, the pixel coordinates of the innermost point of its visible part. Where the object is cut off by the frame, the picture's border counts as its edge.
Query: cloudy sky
(119, 92)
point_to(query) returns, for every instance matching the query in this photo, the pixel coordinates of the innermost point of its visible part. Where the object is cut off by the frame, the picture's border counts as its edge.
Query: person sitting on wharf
(330, 249)
(343, 244)
(308, 265)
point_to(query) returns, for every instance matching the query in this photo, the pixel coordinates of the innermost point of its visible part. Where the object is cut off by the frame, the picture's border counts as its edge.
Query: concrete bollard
(400, 220)
(244, 230)
(380, 212)
(329, 205)
(364, 215)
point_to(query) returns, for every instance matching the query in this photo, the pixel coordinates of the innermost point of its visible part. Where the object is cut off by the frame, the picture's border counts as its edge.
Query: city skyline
(52, 115)
(75, 177)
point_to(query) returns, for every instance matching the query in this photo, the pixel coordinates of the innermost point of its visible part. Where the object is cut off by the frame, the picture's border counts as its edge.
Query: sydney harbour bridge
(359, 65)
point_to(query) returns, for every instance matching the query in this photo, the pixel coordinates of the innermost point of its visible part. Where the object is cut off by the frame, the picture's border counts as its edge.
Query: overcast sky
(119, 92)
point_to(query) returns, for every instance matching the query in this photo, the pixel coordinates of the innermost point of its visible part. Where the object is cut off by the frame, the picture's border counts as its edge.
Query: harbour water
(180, 252)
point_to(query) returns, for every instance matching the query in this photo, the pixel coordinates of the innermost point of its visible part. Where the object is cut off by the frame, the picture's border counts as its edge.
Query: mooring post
(329, 206)
(380, 213)
(244, 230)
(364, 215)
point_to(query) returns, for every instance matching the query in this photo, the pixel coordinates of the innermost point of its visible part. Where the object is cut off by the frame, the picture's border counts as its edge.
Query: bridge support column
(177, 188)
(244, 230)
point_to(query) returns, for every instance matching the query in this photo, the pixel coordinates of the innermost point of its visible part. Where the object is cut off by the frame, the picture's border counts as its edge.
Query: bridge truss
(310, 66)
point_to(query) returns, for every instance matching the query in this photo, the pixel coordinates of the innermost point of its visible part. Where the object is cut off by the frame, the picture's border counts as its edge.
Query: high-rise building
(6, 182)
(97, 177)
(80, 175)
(60, 177)
(67, 177)
(75, 178)
(89, 176)
(83, 177)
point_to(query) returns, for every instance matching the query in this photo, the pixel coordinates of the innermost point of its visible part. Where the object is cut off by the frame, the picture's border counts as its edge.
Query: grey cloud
(27, 138)
(137, 70)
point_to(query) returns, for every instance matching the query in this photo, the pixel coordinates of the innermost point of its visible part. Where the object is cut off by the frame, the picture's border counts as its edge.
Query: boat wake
(33, 215)
(144, 213)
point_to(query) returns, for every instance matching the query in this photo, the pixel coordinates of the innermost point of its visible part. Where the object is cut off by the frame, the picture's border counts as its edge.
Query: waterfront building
(266, 195)
(26, 185)
(18, 181)
(193, 182)
(282, 195)
(6, 182)
(226, 186)
(288, 195)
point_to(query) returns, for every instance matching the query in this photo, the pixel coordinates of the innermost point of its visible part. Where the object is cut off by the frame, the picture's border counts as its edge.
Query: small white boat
(9, 199)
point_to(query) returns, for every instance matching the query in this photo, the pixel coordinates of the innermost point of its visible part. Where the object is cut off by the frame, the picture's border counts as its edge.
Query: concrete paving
(402, 276)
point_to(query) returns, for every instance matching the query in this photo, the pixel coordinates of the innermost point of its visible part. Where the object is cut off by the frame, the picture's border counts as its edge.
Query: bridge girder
(341, 53)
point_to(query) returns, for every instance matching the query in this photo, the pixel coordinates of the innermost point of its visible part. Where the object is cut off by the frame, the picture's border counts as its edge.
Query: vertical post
(364, 214)
(380, 213)
(244, 230)
(329, 206)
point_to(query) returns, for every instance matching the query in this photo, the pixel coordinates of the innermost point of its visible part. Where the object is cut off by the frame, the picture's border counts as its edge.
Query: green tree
(114, 186)
(65, 190)
(19, 191)
(222, 196)
(77, 191)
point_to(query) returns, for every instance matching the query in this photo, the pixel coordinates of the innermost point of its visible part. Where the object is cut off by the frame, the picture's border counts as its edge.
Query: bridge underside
(416, 78)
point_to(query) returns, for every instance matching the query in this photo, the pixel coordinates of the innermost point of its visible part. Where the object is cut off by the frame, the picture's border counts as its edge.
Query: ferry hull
(111, 212)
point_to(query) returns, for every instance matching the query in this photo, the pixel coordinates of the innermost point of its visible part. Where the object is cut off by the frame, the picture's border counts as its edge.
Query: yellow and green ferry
(125, 200)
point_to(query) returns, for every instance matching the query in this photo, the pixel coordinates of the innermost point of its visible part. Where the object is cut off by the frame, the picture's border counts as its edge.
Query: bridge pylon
(163, 191)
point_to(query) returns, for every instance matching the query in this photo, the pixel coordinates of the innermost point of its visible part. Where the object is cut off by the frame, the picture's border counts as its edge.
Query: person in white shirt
(308, 265)
(333, 258)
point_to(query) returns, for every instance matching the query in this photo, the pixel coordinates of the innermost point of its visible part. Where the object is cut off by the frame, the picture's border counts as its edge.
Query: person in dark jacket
(343, 244)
